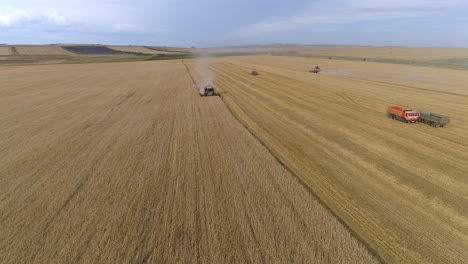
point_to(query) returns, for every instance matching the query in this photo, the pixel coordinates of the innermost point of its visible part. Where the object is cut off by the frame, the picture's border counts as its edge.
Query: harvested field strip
(401, 187)
(4, 51)
(42, 50)
(171, 56)
(405, 53)
(137, 168)
(436, 79)
(33, 59)
(93, 50)
(135, 49)
(164, 50)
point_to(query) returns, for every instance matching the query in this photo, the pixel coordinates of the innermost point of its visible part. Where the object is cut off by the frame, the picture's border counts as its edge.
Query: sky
(208, 23)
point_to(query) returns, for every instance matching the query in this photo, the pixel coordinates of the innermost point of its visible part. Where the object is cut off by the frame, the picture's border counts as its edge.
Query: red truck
(403, 114)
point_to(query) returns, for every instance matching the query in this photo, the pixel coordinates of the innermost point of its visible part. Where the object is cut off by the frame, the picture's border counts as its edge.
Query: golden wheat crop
(447, 80)
(125, 163)
(4, 51)
(42, 50)
(407, 53)
(402, 187)
(138, 49)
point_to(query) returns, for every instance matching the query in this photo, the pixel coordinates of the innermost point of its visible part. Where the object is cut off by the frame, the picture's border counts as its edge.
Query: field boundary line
(191, 76)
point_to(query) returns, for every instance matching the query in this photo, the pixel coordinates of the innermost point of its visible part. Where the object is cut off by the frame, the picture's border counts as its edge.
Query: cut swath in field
(42, 50)
(401, 187)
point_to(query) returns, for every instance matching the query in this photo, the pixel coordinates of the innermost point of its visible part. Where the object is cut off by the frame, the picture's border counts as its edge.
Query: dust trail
(203, 63)
(202, 66)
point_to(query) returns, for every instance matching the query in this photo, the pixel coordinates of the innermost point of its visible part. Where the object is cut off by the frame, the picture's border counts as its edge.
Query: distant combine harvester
(315, 70)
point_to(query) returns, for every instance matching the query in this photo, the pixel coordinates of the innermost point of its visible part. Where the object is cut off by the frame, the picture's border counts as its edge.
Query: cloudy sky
(205, 23)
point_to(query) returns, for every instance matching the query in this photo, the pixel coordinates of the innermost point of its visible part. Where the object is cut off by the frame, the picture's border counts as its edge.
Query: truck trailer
(403, 114)
(433, 119)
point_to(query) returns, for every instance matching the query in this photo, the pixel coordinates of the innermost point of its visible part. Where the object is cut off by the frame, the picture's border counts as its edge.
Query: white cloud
(9, 20)
(341, 11)
(25, 19)
(403, 4)
(124, 28)
(204, 22)
(29, 21)
(57, 19)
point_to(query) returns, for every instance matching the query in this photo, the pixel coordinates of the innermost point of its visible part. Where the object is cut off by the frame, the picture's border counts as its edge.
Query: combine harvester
(315, 70)
(208, 90)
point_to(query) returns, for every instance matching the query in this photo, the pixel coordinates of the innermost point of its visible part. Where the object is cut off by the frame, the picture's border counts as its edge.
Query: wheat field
(125, 163)
(4, 51)
(437, 79)
(407, 53)
(138, 49)
(402, 187)
(42, 50)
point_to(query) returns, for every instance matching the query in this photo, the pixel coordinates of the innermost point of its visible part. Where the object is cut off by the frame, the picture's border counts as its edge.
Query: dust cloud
(204, 63)
(202, 67)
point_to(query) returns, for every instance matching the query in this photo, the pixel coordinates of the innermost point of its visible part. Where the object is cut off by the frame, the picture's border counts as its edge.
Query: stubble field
(125, 163)
(445, 80)
(139, 49)
(402, 187)
(4, 51)
(42, 50)
(409, 53)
